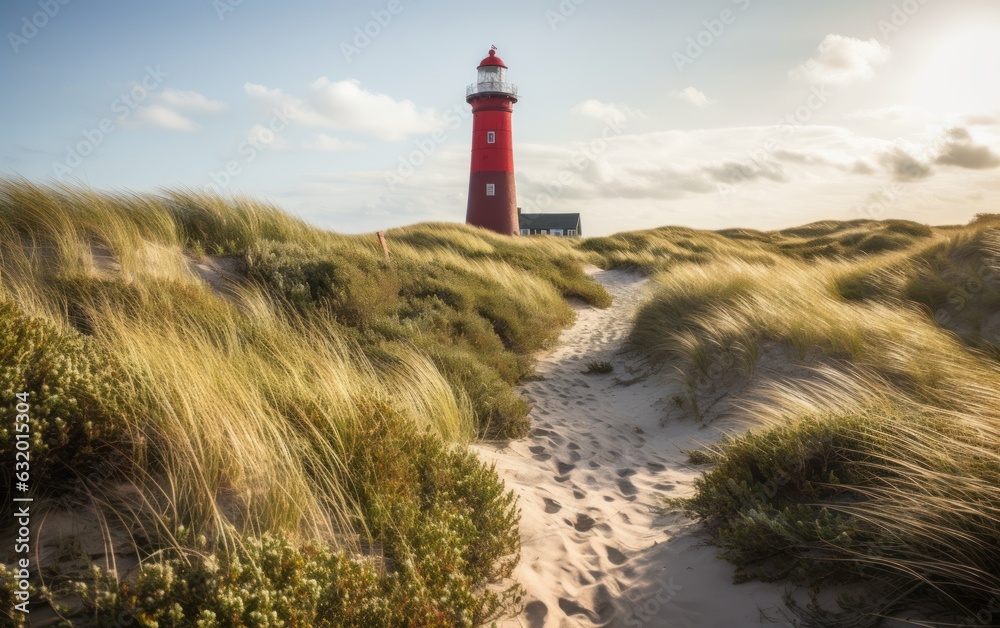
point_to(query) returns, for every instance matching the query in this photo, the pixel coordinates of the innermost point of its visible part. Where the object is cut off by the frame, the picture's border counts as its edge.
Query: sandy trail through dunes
(596, 550)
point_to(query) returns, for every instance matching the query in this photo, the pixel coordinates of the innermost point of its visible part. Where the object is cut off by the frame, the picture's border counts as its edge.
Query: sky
(637, 114)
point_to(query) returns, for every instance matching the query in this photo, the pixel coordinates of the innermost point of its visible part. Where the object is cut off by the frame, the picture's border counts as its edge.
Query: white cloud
(892, 113)
(191, 102)
(164, 118)
(260, 135)
(329, 144)
(763, 176)
(172, 109)
(842, 60)
(346, 105)
(982, 119)
(694, 96)
(605, 111)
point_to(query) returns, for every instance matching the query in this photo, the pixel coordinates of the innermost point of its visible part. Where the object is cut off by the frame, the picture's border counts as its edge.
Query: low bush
(76, 408)
(881, 467)
(269, 432)
(479, 324)
(599, 368)
(445, 525)
(8, 598)
(765, 496)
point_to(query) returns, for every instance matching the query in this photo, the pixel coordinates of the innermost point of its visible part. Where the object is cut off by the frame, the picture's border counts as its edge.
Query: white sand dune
(597, 549)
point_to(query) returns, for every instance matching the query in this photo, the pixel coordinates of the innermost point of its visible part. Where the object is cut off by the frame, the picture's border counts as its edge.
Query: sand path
(597, 549)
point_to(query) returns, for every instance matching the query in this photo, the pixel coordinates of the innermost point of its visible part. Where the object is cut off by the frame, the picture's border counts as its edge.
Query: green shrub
(262, 427)
(265, 582)
(445, 523)
(599, 368)
(8, 598)
(763, 498)
(884, 473)
(75, 407)
(478, 330)
(501, 413)
(413, 489)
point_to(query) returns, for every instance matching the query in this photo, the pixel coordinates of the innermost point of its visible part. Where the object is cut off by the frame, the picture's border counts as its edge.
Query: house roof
(549, 221)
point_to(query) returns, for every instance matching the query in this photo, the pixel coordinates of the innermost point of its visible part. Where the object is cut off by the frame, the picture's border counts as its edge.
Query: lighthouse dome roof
(492, 59)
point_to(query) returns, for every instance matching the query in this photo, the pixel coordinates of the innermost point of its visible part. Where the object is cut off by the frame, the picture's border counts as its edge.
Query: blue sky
(637, 114)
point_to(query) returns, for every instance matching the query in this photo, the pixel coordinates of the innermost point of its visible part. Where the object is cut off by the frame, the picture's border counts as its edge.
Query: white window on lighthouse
(491, 189)
(491, 137)
(491, 78)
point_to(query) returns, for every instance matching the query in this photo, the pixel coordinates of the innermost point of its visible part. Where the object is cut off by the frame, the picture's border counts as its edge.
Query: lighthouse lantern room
(492, 197)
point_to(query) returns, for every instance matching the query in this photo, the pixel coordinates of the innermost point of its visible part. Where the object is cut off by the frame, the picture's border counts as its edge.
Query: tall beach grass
(308, 418)
(883, 467)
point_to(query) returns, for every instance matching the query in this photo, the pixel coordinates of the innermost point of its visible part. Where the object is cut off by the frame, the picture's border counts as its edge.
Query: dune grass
(277, 450)
(292, 449)
(884, 467)
(666, 247)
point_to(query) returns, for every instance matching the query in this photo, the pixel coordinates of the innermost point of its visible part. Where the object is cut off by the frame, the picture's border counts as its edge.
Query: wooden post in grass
(385, 245)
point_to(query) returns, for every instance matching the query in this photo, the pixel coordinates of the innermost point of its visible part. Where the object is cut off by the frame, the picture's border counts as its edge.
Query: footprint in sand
(551, 505)
(615, 557)
(564, 467)
(598, 598)
(626, 473)
(584, 522)
(572, 608)
(538, 453)
(579, 494)
(572, 446)
(664, 486)
(656, 466)
(536, 612)
(626, 487)
(556, 439)
(593, 465)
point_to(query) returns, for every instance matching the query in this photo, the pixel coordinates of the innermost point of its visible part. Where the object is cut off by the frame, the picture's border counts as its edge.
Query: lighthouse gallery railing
(491, 88)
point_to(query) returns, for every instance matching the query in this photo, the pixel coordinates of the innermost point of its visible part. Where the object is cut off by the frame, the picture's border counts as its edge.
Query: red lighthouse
(492, 199)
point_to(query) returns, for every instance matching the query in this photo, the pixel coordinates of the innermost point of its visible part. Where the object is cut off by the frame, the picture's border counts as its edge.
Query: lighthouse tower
(492, 200)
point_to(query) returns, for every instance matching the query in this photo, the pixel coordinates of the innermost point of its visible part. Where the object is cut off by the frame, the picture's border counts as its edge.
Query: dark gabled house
(552, 224)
